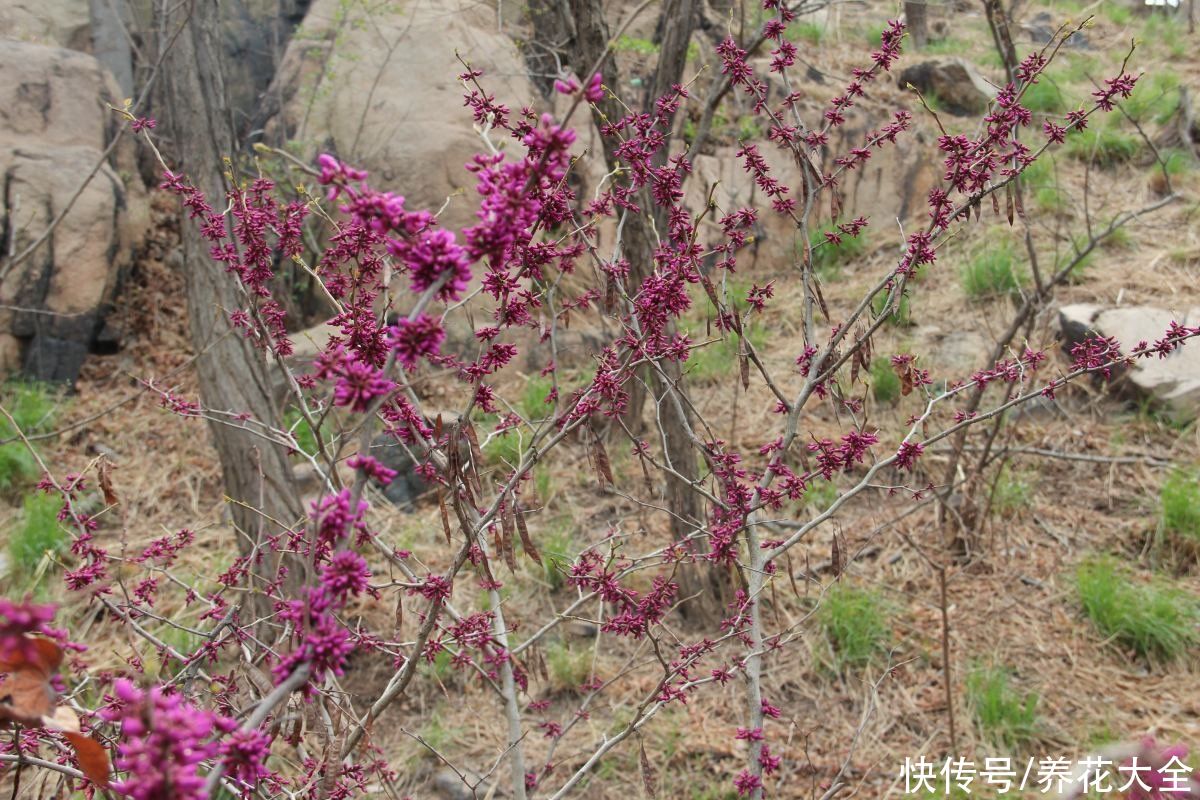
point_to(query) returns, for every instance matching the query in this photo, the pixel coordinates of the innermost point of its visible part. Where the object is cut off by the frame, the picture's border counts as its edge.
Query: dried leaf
(995, 204)
(25, 697)
(441, 496)
(92, 758)
(399, 624)
(600, 457)
(526, 542)
(649, 779)
(1009, 203)
(104, 468)
(835, 557)
(506, 539)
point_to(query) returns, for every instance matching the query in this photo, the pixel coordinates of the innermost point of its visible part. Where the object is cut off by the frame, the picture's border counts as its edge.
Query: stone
(955, 83)
(58, 297)
(380, 89)
(1172, 383)
(61, 23)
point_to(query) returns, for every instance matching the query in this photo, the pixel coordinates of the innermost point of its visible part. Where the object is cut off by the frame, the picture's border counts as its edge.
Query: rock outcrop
(954, 83)
(1173, 382)
(57, 281)
(380, 89)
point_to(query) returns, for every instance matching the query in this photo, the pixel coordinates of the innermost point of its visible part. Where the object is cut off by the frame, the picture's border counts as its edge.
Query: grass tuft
(856, 625)
(1005, 716)
(885, 383)
(38, 534)
(1104, 145)
(992, 272)
(1154, 620)
(33, 407)
(1179, 502)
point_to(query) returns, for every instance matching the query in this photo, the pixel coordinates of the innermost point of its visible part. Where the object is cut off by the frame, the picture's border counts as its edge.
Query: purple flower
(359, 384)
(346, 574)
(416, 338)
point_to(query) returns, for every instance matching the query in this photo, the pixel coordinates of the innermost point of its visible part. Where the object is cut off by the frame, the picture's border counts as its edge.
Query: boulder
(64, 289)
(61, 23)
(1173, 383)
(954, 82)
(54, 128)
(380, 88)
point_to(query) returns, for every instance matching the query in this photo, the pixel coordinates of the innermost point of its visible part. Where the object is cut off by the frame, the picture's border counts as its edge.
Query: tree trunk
(918, 22)
(710, 592)
(232, 373)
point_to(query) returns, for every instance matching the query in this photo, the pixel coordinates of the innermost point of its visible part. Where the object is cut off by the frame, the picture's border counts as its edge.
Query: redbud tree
(537, 259)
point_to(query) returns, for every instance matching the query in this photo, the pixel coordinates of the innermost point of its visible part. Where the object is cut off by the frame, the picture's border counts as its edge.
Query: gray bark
(233, 376)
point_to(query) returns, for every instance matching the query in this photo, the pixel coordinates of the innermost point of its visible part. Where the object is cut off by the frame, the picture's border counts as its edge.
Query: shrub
(38, 534)
(885, 383)
(855, 625)
(1005, 717)
(1155, 621)
(992, 272)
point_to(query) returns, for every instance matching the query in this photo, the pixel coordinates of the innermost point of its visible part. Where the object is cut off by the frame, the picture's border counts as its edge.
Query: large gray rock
(380, 88)
(1172, 382)
(54, 127)
(955, 83)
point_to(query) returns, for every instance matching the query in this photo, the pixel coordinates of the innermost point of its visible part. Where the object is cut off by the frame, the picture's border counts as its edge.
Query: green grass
(900, 316)
(1179, 509)
(1118, 12)
(855, 624)
(1154, 620)
(821, 495)
(1177, 162)
(568, 668)
(1013, 493)
(1106, 145)
(720, 358)
(805, 32)
(1005, 716)
(829, 258)
(558, 550)
(37, 534)
(301, 431)
(533, 400)
(33, 407)
(1155, 98)
(992, 272)
(885, 383)
(1044, 97)
(632, 44)
(507, 448)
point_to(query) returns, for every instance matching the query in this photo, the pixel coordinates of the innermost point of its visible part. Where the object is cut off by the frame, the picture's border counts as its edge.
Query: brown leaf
(526, 542)
(835, 556)
(92, 758)
(506, 539)
(104, 468)
(25, 697)
(399, 617)
(649, 779)
(995, 204)
(441, 496)
(600, 456)
(1009, 203)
